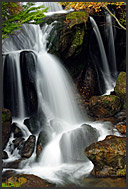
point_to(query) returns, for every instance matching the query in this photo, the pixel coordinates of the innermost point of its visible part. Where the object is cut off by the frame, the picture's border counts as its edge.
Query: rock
(4, 155)
(29, 147)
(35, 122)
(121, 129)
(121, 116)
(13, 164)
(73, 143)
(16, 130)
(19, 144)
(87, 83)
(32, 125)
(43, 139)
(28, 74)
(18, 141)
(6, 126)
(108, 156)
(104, 106)
(120, 88)
(26, 180)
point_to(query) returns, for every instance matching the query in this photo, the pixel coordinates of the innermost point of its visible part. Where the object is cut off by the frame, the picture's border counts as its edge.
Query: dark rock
(104, 106)
(19, 144)
(32, 125)
(87, 84)
(108, 156)
(16, 130)
(121, 116)
(6, 126)
(28, 74)
(29, 147)
(76, 140)
(4, 155)
(18, 141)
(35, 122)
(120, 88)
(43, 139)
(27, 180)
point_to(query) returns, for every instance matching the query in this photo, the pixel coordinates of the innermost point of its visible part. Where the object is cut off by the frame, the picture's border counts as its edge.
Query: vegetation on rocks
(104, 106)
(14, 14)
(108, 156)
(120, 88)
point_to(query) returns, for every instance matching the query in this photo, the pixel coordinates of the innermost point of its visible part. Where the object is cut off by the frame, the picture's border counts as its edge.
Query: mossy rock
(77, 18)
(26, 180)
(108, 156)
(104, 106)
(120, 88)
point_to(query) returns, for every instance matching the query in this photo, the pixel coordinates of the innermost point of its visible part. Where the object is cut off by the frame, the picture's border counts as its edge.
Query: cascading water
(109, 82)
(59, 162)
(111, 46)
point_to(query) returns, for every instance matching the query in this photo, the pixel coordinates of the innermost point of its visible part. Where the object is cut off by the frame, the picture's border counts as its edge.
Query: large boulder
(120, 88)
(108, 156)
(6, 126)
(73, 143)
(104, 106)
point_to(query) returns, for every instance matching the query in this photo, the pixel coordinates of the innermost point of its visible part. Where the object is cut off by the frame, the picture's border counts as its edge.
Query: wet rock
(120, 88)
(29, 147)
(35, 122)
(73, 143)
(17, 142)
(104, 106)
(121, 116)
(43, 139)
(27, 180)
(13, 164)
(16, 130)
(6, 126)
(4, 155)
(28, 74)
(108, 156)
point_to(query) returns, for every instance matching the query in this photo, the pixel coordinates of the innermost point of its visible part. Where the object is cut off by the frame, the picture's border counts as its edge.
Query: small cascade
(111, 46)
(53, 6)
(105, 66)
(15, 85)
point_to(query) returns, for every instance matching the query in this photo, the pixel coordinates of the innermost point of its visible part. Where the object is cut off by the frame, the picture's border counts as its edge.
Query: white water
(111, 45)
(56, 97)
(109, 82)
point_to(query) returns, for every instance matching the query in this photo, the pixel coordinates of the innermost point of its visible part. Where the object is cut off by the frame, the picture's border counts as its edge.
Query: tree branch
(114, 17)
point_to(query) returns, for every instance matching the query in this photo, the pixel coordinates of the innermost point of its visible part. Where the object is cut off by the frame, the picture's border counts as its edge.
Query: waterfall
(59, 162)
(109, 83)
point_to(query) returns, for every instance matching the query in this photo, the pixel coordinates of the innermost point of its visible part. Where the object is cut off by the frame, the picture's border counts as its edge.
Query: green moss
(77, 18)
(4, 117)
(121, 172)
(15, 181)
